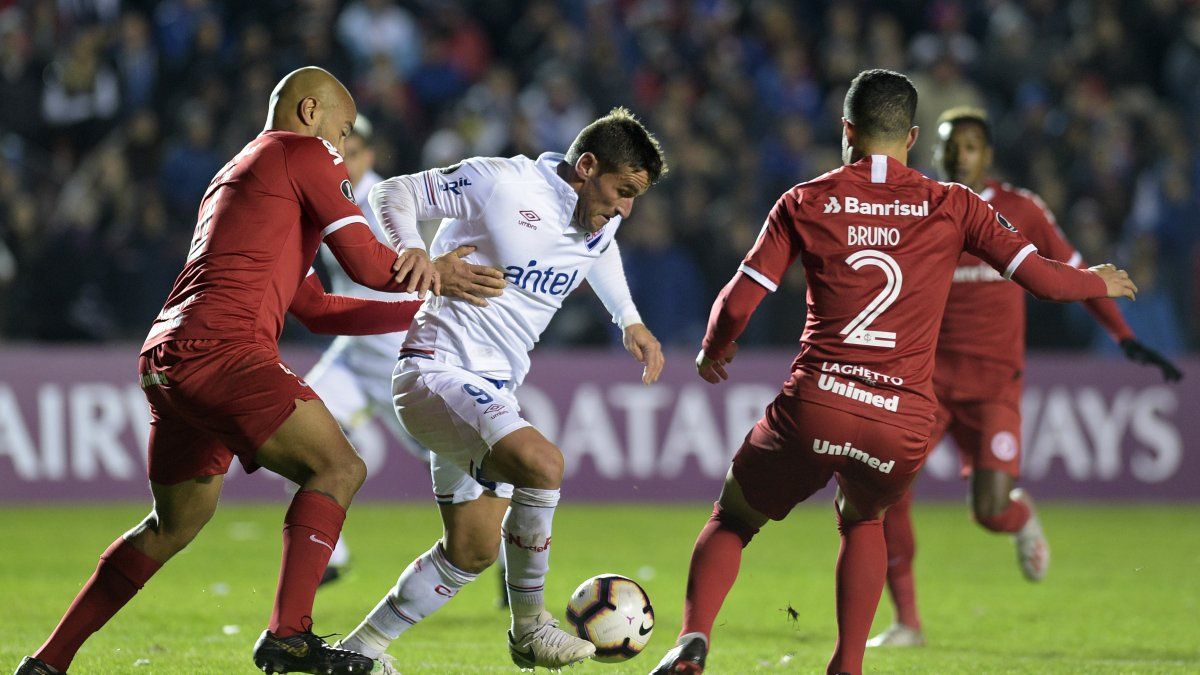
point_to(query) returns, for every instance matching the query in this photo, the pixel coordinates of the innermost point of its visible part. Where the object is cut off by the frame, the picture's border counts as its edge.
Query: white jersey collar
(547, 163)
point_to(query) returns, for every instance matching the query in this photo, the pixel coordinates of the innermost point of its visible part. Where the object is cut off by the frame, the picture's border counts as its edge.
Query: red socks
(1011, 519)
(901, 549)
(715, 562)
(310, 531)
(122, 572)
(861, 568)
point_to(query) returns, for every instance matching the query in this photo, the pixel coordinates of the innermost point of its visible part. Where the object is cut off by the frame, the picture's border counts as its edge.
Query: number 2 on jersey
(857, 332)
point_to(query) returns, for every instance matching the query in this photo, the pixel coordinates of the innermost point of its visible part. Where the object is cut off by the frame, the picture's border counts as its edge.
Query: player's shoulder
(1014, 193)
(495, 168)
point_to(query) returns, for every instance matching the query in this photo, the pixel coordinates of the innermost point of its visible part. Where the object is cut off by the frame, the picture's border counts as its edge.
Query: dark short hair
(620, 140)
(881, 104)
(967, 115)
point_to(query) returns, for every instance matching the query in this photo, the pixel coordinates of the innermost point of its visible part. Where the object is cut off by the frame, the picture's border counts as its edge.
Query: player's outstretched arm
(644, 347)
(461, 279)
(1051, 280)
(730, 314)
(328, 314)
(607, 278)
(366, 261)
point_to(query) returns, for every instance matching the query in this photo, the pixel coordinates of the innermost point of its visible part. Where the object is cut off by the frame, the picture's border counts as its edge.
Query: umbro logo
(834, 206)
(528, 218)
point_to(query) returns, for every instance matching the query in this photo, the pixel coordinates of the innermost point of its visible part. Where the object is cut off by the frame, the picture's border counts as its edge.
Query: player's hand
(414, 267)
(461, 279)
(1117, 281)
(1140, 353)
(640, 342)
(713, 370)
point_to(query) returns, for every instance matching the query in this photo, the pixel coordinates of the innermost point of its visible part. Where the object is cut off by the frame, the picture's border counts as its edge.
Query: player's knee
(734, 523)
(346, 468)
(986, 507)
(473, 557)
(175, 532)
(541, 466)
(355, 470)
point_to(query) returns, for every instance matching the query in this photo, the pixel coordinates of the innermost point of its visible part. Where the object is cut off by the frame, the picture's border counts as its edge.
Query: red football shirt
(879, 243)
(985, 313)
(259, 226)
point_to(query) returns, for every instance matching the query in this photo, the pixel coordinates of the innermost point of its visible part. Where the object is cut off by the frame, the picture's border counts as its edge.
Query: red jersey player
(217, 388)
(977, 374)
(879, 243)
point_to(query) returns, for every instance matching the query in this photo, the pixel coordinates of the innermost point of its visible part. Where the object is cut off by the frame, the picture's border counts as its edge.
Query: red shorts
(211, 400)
(798, 446)
(985, 426)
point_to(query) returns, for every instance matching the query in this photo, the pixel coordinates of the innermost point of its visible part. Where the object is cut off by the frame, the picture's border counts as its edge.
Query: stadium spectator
(1075, 90)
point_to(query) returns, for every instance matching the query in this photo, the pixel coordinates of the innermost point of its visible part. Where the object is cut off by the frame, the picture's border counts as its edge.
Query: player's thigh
(775, 468)
(453, 485)
(988, 433)
(243, 394)
(878, 464)
(453, 412)
(309, 442)
(472, 531)
(525, 458)
(179, 451)
(733, 503)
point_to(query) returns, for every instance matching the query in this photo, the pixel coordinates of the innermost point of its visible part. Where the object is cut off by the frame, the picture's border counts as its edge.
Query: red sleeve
(989, 236)
(328, 314)
(1105, 312)
(1051, 280)
(318, 175)
(731, 312)
(1039, 225)
(367, 262)
(777, 246)
(1035, 221)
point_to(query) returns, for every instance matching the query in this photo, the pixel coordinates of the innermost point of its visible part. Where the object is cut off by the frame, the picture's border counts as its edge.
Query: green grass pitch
(1122, 596)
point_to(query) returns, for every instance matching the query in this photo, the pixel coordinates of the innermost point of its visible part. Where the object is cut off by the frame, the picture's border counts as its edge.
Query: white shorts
(458, 415)
(355, 384)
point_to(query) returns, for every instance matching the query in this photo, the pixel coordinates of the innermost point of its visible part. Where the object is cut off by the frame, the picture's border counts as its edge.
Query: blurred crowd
(116, 114)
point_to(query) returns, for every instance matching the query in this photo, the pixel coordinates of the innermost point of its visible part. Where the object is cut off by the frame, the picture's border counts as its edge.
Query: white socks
(526, 537)
(424, 586)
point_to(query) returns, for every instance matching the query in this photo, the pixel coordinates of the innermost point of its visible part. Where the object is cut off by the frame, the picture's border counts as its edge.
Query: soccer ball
(614, 613)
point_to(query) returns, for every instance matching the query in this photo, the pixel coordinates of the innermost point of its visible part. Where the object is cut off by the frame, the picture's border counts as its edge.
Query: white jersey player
(549, 224)
(354, 375)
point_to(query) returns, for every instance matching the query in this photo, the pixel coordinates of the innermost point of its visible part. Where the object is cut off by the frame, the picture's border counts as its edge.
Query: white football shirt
(517, 213)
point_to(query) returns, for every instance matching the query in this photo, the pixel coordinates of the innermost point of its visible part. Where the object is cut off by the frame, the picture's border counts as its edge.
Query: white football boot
(898, 635)
(1033, 552)
(548, 646)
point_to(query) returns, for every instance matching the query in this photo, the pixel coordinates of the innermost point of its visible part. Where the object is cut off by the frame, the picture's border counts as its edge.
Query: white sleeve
(459, 191)
(607, 278)
(394, 203)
